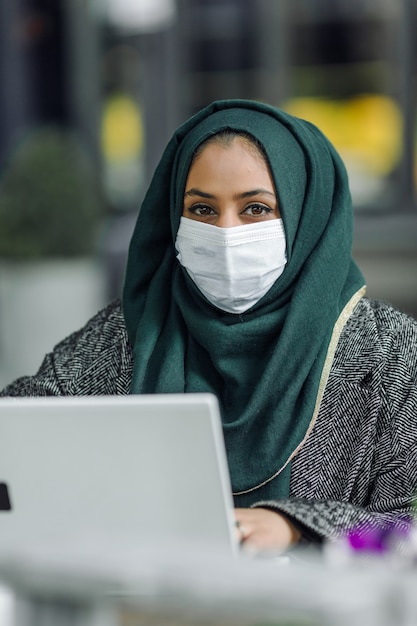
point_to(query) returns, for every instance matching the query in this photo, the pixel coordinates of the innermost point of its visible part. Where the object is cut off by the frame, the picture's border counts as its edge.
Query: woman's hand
(262, 530)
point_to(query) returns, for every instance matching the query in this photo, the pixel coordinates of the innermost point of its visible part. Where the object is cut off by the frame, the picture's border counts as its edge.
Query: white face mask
(233, 267)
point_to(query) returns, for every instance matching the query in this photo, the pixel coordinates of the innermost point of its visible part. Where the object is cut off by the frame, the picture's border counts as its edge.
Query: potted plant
(50, 213)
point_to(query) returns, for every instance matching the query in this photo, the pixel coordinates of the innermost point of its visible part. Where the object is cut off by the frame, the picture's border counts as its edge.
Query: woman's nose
(227, 219)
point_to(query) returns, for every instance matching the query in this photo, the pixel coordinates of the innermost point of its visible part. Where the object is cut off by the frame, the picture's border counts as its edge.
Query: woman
(240, 282)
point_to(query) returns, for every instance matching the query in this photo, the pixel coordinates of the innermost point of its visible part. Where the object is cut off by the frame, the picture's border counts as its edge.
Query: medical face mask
(233, 267)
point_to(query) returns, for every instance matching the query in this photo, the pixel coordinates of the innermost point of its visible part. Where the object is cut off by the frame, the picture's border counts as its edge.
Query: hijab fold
(265, 365)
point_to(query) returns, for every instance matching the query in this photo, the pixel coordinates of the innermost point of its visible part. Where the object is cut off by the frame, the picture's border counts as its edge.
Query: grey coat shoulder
(376, 335)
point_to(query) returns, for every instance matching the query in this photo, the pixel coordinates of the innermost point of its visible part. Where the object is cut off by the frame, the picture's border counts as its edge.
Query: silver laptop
(144, 468)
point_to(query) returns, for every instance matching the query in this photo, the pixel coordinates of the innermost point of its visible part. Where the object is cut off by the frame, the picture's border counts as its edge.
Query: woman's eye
(257, 210)
(201, 209)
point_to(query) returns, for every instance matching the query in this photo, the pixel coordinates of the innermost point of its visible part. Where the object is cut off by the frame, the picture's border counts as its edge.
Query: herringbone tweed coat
(358, 465)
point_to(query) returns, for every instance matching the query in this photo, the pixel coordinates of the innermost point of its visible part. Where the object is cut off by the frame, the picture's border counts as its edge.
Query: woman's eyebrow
(244, 194)
(198, 192)
(256, 192)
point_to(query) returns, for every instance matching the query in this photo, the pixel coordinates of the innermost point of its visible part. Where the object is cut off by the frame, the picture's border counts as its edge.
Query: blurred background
(91, 90)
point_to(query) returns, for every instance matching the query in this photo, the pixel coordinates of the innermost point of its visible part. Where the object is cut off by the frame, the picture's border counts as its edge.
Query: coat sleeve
(367, 468)
(95, 360)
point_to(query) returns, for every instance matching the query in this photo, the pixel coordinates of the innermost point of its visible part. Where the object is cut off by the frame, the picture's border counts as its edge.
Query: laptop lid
(138, 467)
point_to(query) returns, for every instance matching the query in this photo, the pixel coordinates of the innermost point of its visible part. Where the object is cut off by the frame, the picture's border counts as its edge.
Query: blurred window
(346, 74)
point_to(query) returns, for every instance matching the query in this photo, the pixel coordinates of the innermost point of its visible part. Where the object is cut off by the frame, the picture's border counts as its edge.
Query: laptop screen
(149, 466)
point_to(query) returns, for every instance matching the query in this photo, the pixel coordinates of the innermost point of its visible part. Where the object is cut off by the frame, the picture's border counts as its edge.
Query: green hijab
(268, 366)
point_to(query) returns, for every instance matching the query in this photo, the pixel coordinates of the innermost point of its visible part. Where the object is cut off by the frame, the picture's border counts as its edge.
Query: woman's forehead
(230, 165)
